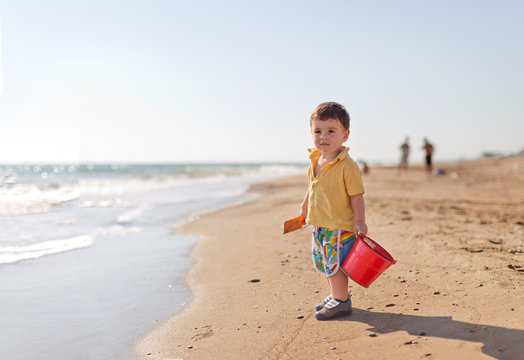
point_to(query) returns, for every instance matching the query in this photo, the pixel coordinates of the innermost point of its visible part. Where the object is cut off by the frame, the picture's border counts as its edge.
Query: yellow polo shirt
(329, 203)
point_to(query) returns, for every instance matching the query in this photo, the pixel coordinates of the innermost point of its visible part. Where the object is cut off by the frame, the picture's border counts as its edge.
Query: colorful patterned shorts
(329, 248)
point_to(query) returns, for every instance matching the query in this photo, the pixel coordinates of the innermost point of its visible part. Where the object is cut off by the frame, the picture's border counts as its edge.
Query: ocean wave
(11, 254)
(118, 231)
(109, 188)
(22, 199)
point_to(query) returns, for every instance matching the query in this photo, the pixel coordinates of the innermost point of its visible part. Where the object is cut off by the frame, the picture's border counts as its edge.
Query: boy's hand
(360, 227)
(303, 207)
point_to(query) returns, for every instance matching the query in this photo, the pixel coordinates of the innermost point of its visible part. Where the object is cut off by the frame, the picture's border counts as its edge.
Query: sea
(90, 256)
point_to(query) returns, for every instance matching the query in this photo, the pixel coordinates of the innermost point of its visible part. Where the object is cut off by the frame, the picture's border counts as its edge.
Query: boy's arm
(303, 208)
(359, 209)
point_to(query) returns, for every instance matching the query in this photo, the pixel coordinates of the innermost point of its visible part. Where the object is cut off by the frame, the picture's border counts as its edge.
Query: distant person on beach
(404, 149)
(365, 168)
(334, 204)
(428, 148)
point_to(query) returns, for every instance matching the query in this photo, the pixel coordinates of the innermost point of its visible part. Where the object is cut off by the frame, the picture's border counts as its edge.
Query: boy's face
(328, 135)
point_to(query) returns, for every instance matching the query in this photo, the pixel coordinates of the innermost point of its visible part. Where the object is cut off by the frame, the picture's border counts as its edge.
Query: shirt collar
(314, 154)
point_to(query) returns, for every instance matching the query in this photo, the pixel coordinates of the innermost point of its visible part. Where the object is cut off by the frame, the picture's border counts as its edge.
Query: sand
(457, 291)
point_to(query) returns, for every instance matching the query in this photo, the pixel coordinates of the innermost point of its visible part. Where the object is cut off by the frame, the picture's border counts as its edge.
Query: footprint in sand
(206, 332)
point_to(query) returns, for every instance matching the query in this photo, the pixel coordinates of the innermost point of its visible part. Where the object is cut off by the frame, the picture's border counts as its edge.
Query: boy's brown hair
(331, 110)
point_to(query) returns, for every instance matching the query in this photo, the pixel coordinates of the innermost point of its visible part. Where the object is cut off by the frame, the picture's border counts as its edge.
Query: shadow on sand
(498, 342)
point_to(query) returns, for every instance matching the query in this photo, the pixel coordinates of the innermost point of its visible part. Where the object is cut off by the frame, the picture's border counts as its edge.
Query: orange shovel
(294, 224)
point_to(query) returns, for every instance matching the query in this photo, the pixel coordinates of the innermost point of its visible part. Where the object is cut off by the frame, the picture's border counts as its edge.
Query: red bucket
(366, 261)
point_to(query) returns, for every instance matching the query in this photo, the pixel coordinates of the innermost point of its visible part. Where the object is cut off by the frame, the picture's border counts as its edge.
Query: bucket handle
(374, 247)
(366, 240)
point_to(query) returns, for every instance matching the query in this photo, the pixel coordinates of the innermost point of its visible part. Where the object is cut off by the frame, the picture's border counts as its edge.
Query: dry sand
(456, 292)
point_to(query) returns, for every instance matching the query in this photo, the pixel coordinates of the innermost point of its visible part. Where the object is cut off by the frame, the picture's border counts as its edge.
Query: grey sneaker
(319, 306)
(333, 309)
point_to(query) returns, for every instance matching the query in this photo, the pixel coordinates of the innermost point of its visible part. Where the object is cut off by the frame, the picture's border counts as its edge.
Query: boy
(334, 204)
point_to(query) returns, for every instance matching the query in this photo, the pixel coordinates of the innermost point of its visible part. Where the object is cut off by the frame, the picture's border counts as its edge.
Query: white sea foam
(11, 254)
(107, 190)
(272, 171)
(31, 198)
(111, 188)
(118, 231)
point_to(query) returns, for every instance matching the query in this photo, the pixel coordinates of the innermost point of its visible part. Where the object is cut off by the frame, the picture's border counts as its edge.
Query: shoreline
(453, 281)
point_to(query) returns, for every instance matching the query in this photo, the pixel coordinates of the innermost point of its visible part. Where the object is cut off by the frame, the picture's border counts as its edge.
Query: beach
(455, 292)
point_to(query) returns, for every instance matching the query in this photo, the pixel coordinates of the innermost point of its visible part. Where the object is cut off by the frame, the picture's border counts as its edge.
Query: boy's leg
(338, 284)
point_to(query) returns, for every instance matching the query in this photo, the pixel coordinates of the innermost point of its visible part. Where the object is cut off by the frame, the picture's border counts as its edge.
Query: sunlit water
(89, 256)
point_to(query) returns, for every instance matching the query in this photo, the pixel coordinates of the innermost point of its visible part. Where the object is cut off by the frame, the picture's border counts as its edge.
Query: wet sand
(456, 292)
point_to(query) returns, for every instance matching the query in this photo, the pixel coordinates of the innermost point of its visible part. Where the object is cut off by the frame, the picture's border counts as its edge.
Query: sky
(236, 81)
